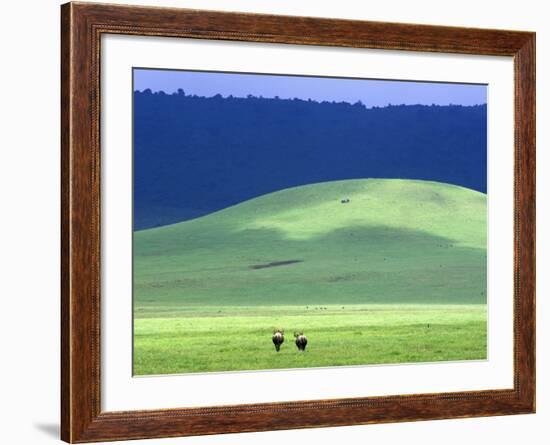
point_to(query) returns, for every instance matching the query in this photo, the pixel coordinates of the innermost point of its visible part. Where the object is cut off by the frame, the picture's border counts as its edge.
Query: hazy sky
(370, 92)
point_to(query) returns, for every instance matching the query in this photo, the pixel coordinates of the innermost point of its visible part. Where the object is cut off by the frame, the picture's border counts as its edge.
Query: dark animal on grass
(301, 341)
(278, 338)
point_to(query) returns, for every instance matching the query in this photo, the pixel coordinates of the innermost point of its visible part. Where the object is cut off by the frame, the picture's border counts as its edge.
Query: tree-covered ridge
(195, 155)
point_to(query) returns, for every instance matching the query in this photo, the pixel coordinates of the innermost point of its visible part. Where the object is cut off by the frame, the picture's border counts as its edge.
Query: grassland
(234, 339)
(362, 279)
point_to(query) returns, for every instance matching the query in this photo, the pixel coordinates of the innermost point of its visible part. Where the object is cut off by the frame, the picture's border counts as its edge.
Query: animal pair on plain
(279, 338)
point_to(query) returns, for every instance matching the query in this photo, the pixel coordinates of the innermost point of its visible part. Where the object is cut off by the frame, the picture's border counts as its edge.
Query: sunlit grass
(360, 335)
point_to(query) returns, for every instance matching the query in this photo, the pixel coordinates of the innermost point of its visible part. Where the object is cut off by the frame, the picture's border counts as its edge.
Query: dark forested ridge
(194, 155)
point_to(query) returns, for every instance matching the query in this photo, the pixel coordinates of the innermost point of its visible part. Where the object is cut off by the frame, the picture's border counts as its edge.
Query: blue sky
(370, 92)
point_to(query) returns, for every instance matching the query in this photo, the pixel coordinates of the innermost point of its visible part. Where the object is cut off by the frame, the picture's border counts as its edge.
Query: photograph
(286, 221)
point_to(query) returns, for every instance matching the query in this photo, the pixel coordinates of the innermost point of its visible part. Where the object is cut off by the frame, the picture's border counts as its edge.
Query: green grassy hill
(395, 275)
(395, 241)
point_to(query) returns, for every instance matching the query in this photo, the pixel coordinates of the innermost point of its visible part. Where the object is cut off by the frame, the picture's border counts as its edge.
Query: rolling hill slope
(395, 241)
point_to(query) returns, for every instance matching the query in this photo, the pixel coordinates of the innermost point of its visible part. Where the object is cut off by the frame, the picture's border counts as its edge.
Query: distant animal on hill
(344, 201)
(278, 338)
(301, 341)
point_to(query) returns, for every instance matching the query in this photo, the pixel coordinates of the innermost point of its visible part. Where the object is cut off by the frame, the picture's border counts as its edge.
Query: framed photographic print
(276, 222)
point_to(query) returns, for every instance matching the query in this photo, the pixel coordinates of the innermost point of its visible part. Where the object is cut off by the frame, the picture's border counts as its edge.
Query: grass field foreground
(233, 339)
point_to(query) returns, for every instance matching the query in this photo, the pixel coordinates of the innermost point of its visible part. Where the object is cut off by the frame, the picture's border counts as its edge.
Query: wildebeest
(278, 338)
(301, 341)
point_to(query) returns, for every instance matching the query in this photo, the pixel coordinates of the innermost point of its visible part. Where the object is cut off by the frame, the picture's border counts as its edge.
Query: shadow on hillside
(381, 262)
(368, 235)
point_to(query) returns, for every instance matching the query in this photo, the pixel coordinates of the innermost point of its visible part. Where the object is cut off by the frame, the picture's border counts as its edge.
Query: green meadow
(395, 275)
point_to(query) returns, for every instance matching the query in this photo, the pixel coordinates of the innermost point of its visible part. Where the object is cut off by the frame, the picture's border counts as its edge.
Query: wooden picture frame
(82, 26)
